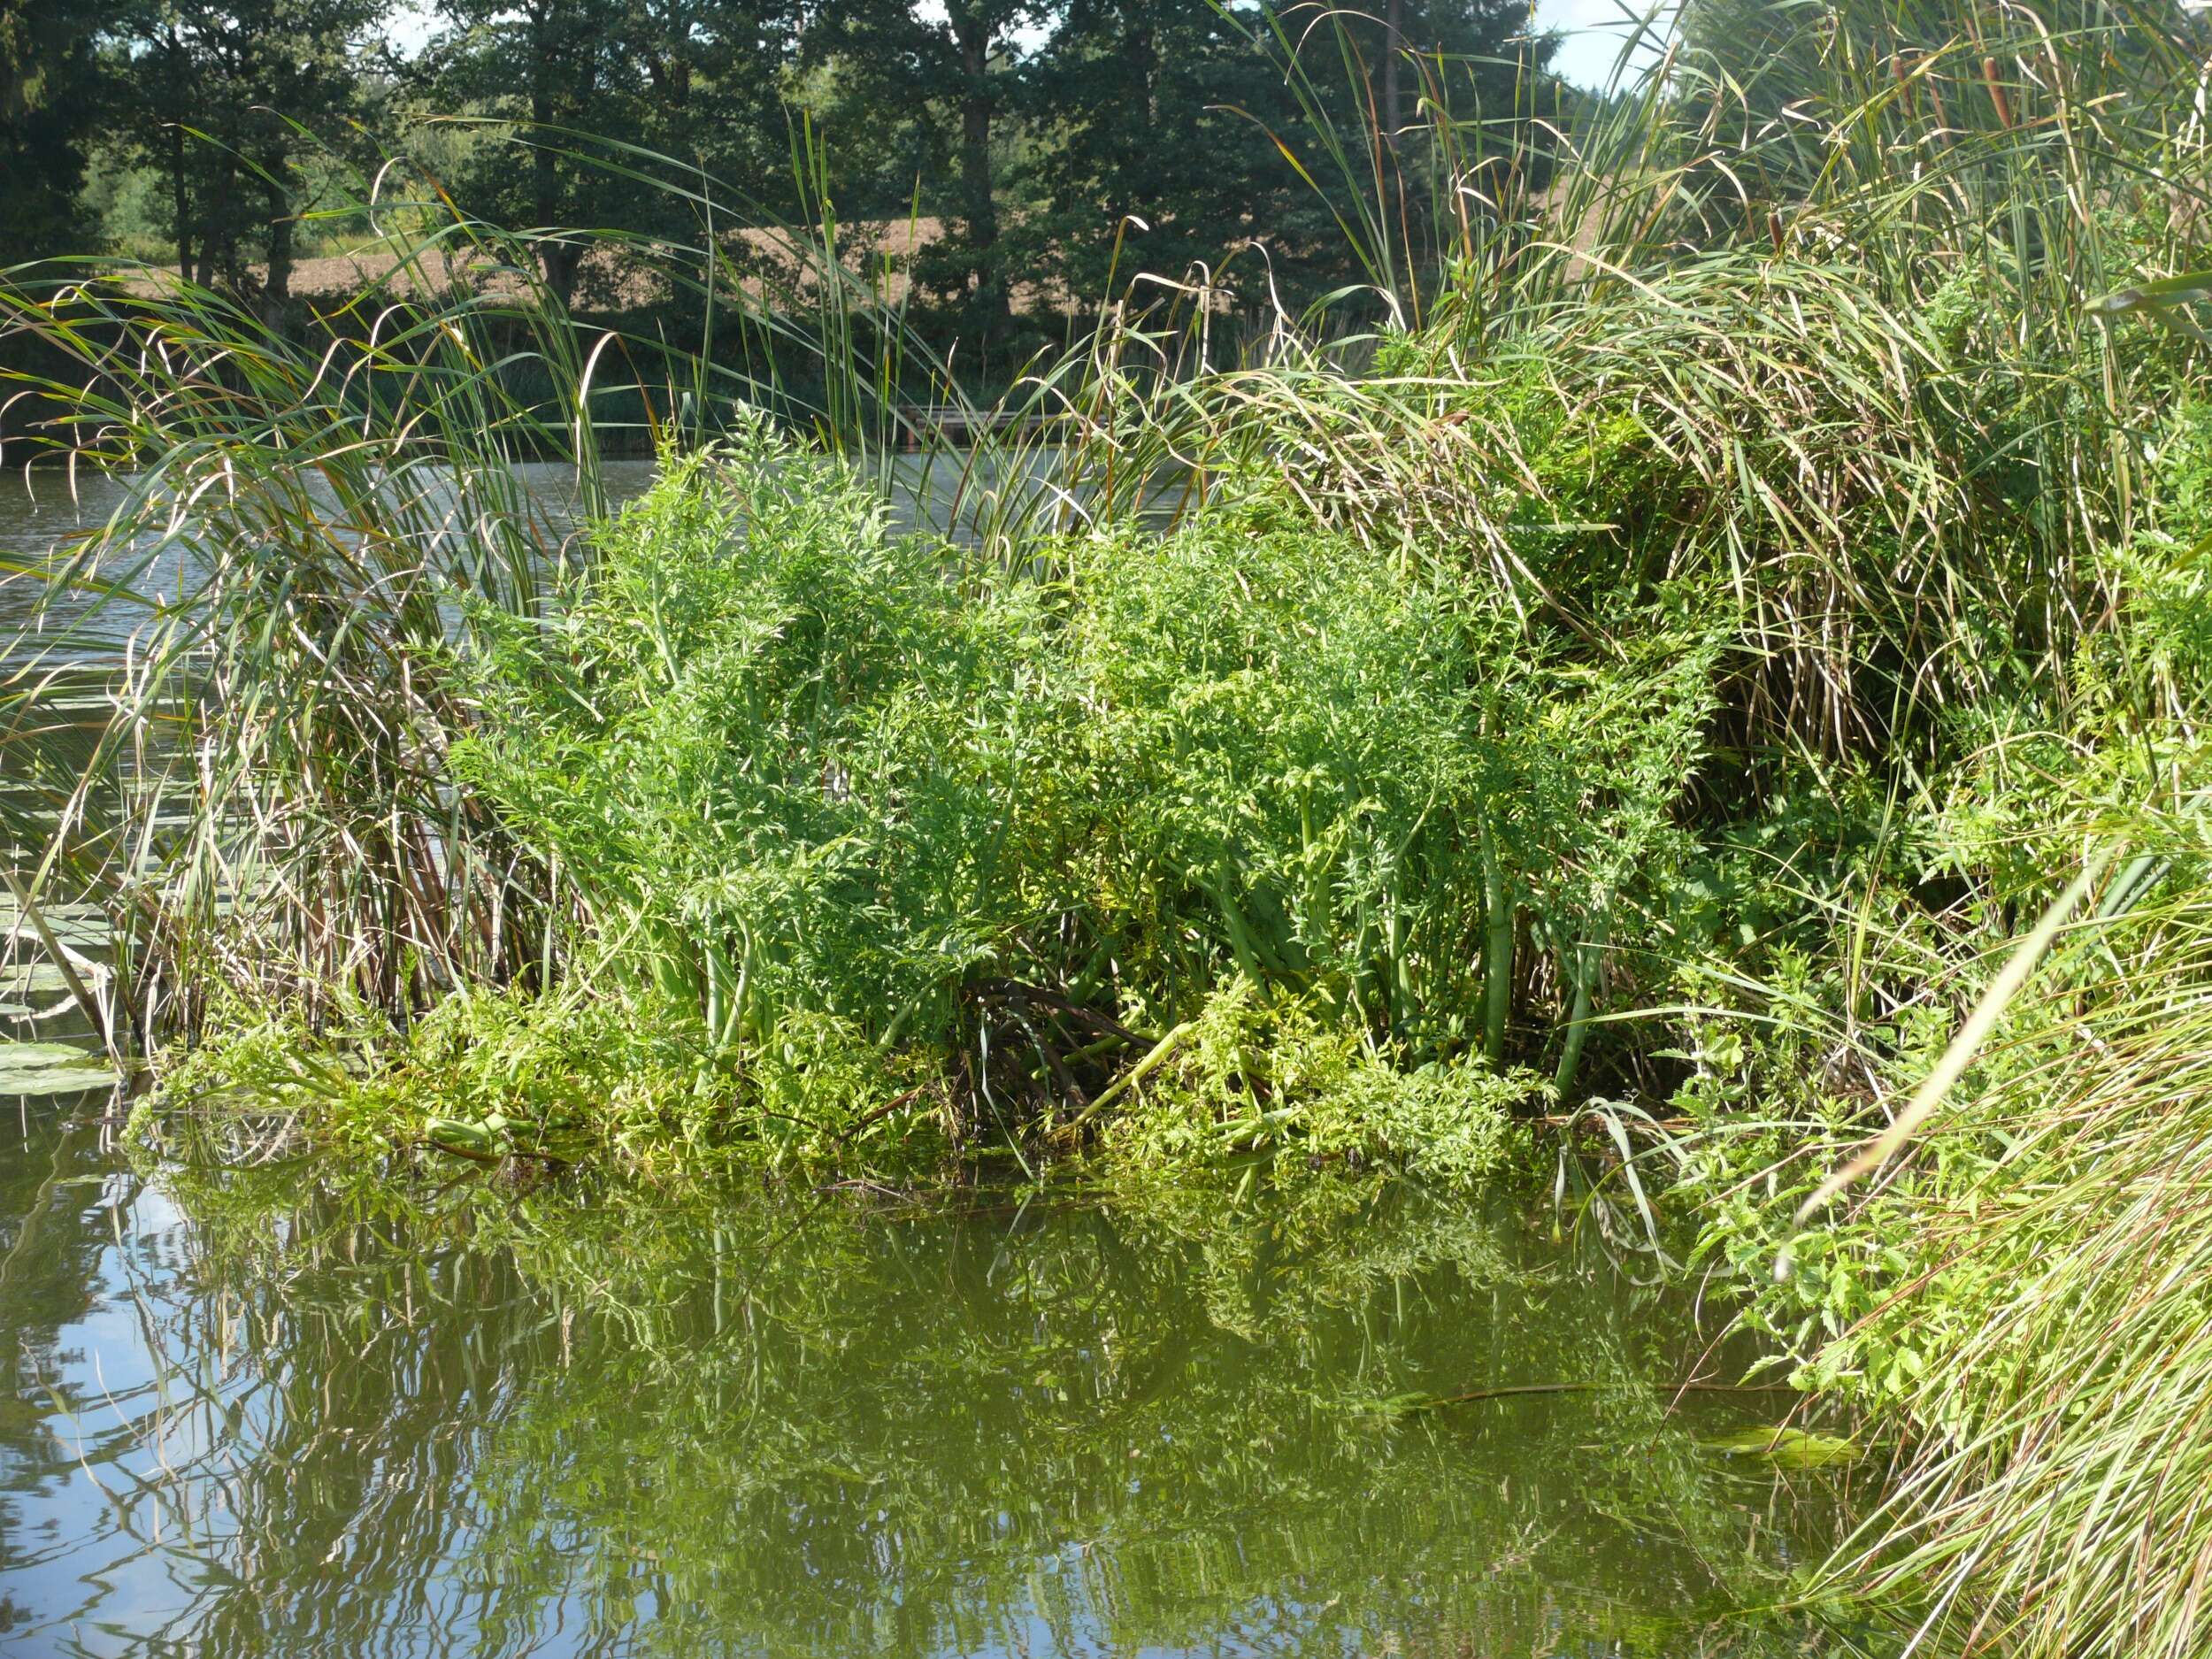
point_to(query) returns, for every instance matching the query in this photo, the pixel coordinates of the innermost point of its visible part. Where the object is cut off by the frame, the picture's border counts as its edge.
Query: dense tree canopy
(1159, 122)
(233, 102)
(50, 107)
(1054, 148)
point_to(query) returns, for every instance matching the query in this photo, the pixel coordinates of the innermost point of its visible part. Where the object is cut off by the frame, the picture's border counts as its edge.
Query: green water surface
(252, 1415)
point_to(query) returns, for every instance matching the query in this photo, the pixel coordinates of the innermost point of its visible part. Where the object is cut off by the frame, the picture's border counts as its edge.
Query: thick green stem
(1578, 1020)
(1497, 961)
(1137, 1073)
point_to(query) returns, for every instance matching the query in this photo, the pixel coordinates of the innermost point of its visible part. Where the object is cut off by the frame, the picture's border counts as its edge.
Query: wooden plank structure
(960, 426)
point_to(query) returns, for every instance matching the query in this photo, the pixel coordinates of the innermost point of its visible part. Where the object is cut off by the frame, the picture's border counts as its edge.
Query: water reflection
(256, 1417)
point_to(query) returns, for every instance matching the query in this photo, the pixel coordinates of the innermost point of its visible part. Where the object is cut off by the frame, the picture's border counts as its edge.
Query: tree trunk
(181, 202)
(987, 303)
(1141, 51)
(276, 293)
(215, 234)
(179, 199)
(562, 261)
(560, 258)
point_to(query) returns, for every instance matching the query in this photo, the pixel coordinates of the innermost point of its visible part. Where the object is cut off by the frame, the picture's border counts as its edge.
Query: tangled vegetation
(1726, 673)
(882, 845)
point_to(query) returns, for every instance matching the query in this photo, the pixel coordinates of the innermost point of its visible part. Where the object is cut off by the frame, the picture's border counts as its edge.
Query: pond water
(254, 1414)
(49, 507)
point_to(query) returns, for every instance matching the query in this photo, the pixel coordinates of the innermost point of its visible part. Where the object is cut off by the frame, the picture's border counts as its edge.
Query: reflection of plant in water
(791, 1426)
(52, 1201)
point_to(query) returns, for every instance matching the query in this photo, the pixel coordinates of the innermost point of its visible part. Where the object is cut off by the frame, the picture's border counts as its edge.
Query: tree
(552, 65)
(1155, 120)
(710, 80)
(695, 80)
(230, 96)
(1170, 112)
(50, 100)
(956, 66)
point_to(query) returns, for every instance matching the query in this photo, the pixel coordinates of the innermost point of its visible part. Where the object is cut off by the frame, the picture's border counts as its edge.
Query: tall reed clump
(259, 794)
(1836, 355)
(1967, 529)
(2045, 1315)
(2024, 1290)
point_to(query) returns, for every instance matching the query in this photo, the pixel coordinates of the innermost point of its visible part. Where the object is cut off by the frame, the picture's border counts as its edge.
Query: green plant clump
(888, 844)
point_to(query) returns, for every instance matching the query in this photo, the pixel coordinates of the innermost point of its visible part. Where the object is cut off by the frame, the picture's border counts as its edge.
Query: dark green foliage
(232, 103)
(1246, 93)
(797, 770)
(1053, 156)
(599, 91)
(50, 111)
(948, 76)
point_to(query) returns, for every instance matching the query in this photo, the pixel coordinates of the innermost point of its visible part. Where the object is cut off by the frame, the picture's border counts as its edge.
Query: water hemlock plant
(1203, 842)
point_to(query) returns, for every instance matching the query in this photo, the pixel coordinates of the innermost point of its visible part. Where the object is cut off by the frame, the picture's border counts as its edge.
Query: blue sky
(1593, 31)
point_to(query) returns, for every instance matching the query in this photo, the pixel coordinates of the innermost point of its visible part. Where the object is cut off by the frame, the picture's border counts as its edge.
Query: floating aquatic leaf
(51, 1068)
(1789, 1447)
(29, 979)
